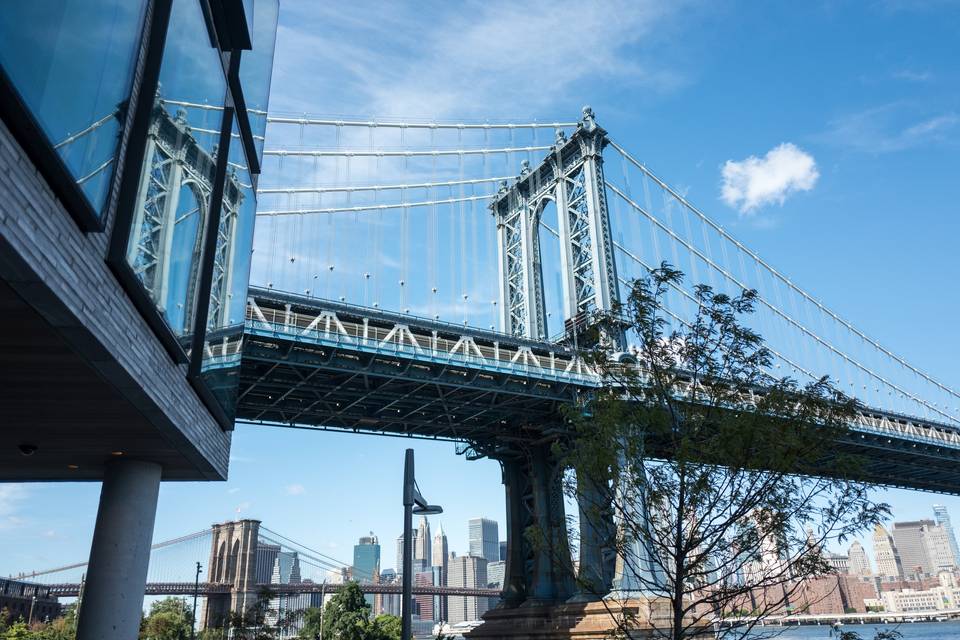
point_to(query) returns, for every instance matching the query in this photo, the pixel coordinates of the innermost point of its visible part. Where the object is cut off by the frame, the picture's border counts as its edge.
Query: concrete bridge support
(120, 554)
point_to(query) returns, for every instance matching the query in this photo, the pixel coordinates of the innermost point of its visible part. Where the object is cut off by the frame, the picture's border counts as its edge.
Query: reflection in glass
(72, 63)
(256, 67)
(179, 171)
(220, 366)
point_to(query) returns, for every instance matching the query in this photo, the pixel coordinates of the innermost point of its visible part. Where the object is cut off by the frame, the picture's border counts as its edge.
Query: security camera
(28, 449)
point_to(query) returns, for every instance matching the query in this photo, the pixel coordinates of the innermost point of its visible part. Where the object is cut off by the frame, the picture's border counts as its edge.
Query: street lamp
(196, 592)
(413, 503)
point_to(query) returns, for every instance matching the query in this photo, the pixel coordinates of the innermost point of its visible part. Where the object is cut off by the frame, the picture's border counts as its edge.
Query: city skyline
(861, 113)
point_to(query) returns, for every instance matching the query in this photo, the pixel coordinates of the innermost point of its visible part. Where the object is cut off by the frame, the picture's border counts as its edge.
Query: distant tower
(421, 545)
(859, 560)
(942, 517)
(888, 559)
(366, 562)
(233, 562)
(469, 572)
(400, 551)
(440, 562)
(908, 538)
(484, 539)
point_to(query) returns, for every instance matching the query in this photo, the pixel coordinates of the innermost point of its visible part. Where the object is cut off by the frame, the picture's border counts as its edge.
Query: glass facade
(72, 63)
(256, 66)
(186, 201)
(179, 171)
(220, 361)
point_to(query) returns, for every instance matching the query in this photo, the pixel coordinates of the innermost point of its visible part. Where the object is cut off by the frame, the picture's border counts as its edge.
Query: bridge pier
(233, 562)
(597, 542)
(120, 553)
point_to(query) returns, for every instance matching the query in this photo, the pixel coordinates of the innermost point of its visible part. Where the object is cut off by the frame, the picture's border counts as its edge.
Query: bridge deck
(322, 364)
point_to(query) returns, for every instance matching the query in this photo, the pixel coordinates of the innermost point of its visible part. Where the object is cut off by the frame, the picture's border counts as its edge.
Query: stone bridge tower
(233, 562)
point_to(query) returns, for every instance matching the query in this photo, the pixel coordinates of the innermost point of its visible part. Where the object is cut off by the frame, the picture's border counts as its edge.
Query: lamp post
(413, 503)
(196, 591)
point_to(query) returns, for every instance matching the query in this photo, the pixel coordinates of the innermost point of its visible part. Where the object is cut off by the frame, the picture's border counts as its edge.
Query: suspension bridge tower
(233, 562)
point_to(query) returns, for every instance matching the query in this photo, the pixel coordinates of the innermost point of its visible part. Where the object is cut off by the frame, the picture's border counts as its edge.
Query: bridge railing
(373, 334)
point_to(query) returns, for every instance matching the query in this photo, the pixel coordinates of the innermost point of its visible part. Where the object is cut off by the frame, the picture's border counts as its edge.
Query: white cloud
(890, 128)
(233, 490)
(296, 490)
(754, 182)
(11, 495)
(495, 58)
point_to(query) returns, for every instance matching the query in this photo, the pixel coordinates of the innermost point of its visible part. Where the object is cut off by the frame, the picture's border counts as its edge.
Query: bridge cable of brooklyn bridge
(280, 567)
(431, 279)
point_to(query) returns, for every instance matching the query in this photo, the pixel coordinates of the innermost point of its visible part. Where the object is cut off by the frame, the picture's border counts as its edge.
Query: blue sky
(867, 92)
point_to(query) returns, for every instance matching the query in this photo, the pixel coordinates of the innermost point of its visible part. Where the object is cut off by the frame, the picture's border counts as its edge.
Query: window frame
(30, 135)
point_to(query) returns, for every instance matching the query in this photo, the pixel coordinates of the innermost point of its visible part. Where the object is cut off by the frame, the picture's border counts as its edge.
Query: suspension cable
(324, 153)
(376, 207)
(418, 125)
(382, 187)
(778, 311)
(780, 276)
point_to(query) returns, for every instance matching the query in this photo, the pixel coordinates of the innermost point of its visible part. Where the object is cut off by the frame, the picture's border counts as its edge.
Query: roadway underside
(296, 384)
(293, 383)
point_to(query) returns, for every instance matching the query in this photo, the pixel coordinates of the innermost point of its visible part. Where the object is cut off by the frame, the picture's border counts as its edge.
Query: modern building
(440, 560)
(484, 540)
(839, 563)
(129, 150)
(859, 560)
(423, 545)
(467, 571)
(936, 542)
(417, 566)
(503, 550)
(286, 568)
(423, 603)
(366, 563)
(366, 559)
(942, 518)
(888, 559)
(266, 559)
(495, 576)
(388, 603)
(909, 540)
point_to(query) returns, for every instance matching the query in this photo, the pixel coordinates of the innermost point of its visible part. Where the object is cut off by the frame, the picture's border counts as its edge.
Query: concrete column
(117, 573)
(552, 579)
(516, 483)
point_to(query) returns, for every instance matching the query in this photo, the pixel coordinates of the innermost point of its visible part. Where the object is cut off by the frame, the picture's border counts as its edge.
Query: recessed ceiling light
(72, 466)
(116, 453)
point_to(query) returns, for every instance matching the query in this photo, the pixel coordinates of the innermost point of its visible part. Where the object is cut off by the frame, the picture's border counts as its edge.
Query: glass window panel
(256, 67)
(220, 367)
(72, 63)
(179, 169)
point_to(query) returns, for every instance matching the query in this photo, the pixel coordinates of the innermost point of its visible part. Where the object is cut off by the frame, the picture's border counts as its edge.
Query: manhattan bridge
(432, 280)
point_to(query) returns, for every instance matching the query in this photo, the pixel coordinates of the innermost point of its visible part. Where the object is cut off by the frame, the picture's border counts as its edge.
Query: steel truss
(571, 176)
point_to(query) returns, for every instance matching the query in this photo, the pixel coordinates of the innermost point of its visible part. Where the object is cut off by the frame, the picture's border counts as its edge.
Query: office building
(467, 571)
(130, 135)
(495, 575)
(909, 540)
(266, 559)
(936, 542)
(417, 563)
(366, 559)
(423, 603)
(484, 539)
(422, 545)
(888, 559)
(366, 563)
(942, 518)
(859, 560)
(440, 556)
(286, 568)
(503, 550)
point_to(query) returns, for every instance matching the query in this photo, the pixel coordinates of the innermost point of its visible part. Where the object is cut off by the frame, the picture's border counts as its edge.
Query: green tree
(711, 467)
(169, 619)
(385, 627)
(347, 615)
(312, 618)
(18, 631)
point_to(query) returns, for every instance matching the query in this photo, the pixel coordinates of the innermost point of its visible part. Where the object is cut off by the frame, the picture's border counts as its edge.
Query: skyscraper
(888, 560)
(366, 562)
(421, 544)
(859, 561)
(400, 552)
(503, 550)
(471, 572)
(366, 559)
(908, 538)
(943, 519)
(936, 543)
(484, 540)
(440, 562)
(495, 576)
